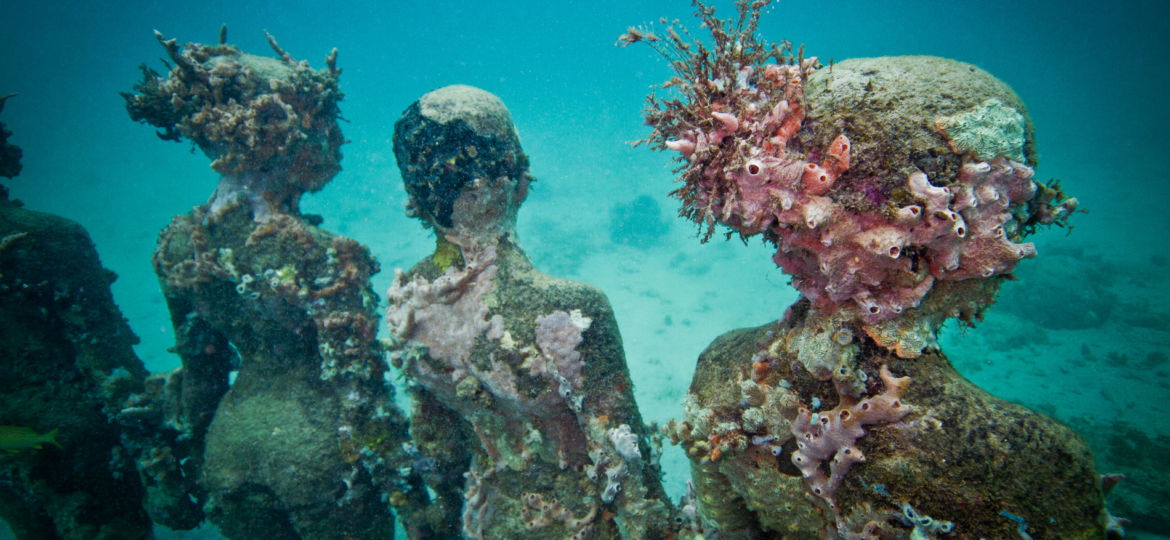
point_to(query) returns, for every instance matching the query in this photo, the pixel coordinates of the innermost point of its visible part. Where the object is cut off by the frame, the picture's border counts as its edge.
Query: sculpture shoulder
(547, 293)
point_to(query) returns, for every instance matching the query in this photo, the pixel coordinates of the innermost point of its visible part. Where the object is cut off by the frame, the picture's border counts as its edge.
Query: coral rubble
(897, 193)
(523, 401)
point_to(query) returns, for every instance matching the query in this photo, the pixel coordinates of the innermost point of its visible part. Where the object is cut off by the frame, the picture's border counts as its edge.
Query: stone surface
(67, 366)
(960, 455)
(523, 402)
(888, 107)
(307, 440)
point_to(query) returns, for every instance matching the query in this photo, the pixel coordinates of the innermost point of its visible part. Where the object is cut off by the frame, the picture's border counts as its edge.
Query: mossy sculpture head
(462, 164)
(269, 124)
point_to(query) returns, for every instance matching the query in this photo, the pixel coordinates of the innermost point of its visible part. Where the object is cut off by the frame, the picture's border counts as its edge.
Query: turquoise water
(1083, 336)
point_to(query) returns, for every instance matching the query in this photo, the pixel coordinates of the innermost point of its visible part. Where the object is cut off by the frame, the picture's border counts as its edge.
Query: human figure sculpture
(897, 193)
(523, 399)
(67, 373)
(303, 444)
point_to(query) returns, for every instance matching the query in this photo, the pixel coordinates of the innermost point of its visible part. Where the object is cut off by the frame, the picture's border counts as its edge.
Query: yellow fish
(15, 438)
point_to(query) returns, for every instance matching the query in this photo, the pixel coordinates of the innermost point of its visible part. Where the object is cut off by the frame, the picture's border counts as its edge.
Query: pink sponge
(740, 172)
(834, 433)
(869, 253)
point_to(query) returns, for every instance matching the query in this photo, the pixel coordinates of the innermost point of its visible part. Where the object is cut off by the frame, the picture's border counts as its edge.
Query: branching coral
(270, 125)
(733, 123)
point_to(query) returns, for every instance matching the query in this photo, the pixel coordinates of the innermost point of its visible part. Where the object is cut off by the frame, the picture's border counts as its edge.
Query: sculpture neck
(264, 193)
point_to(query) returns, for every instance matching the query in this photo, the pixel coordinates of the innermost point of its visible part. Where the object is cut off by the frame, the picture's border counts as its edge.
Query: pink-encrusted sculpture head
(867, 202)
(462, 163)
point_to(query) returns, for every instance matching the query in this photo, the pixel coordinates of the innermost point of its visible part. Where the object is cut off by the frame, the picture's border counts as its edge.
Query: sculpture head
(270, 125)
(890, 207)
(462, 164)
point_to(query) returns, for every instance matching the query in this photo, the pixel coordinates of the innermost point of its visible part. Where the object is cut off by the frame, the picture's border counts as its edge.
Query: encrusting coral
(523, 402)
(269, 124)
(989, 130)
(897, 193)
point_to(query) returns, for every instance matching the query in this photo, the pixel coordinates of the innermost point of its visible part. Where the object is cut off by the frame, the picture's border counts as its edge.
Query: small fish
(15, 438)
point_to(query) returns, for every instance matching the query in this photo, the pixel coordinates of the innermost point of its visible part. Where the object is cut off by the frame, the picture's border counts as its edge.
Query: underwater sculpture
(522, 397)
(897, 193)
(67, 369)
(306, 443)
(9, 153)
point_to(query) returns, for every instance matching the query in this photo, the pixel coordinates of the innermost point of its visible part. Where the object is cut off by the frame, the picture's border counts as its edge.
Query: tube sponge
(834, 434)
(884, 240)
(937, 199)
(854, 241)
(816, 179)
